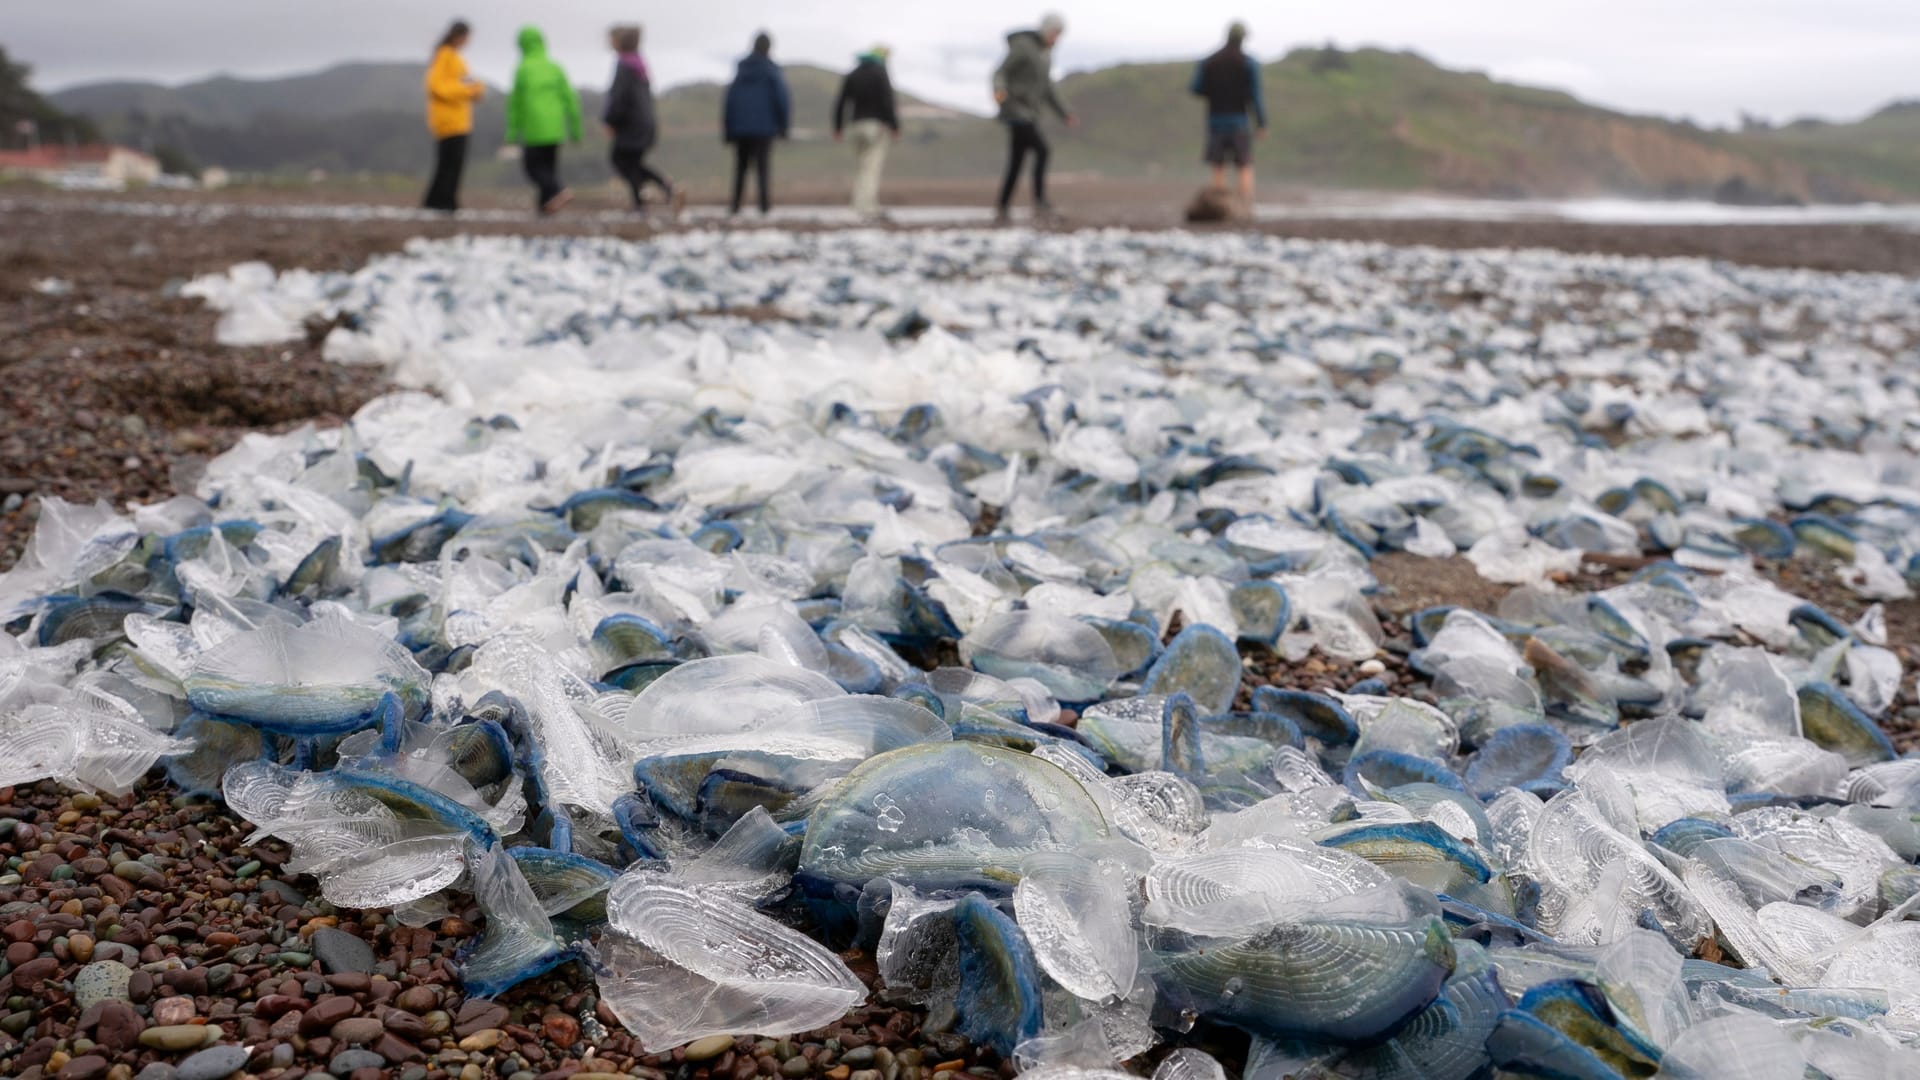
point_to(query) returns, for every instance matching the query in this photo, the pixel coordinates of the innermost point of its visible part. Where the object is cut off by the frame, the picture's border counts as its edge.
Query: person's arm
(1000, 78)
(890, 105)
(1259, 95)
(782, 103)
(1053, 99)
(516, 103)
(1199, 85)
(1052, 94)
(619, 97)
(840, 107)
(471, 86)
(443, 78)
(571, 101)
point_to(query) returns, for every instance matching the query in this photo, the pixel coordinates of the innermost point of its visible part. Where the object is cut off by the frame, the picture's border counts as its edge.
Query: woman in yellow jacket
(451, 93)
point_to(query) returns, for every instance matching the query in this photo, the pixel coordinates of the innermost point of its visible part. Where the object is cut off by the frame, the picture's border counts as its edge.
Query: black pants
(542, 165)
(449, 158)
(1024, 139)
(633, 168)
(759, 154)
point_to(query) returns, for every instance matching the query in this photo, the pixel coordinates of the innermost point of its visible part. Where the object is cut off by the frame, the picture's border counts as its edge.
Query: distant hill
(1882, 151)
(1367, 118)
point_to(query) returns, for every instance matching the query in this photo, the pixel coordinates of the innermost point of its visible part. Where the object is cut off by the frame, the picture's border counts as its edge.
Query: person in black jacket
(757, 110)
(867, 92)
(631, 121)
(1230, 81)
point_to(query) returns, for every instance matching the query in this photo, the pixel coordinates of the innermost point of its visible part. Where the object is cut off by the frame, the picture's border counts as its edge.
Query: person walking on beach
(759, 109)
(1230, 81)
(1023, 88)
(867, 92)
(542, 112)
(632, 121)
(451, 93)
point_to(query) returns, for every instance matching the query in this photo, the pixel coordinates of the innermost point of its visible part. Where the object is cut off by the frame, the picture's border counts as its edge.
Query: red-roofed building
(100, 165)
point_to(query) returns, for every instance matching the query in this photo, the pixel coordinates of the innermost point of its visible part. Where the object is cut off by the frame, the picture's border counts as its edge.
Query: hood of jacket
(1029, 36)
(532, 42)
(756, 67)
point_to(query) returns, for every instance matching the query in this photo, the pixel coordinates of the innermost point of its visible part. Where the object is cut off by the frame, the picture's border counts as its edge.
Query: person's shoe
(1002, 217)
(677, 203)
(1045, 214)
(558, 202)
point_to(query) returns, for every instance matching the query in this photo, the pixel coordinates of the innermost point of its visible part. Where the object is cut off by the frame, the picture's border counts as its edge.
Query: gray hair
(1052, 24)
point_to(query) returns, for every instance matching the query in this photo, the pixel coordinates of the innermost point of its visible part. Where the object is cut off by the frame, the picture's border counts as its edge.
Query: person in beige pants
(866, 95)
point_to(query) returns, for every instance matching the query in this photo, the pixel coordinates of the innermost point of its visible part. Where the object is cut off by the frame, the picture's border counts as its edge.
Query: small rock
(28, 975)
(560, 1029)
(475, 1015)
(176, 1037)
(1372, 667)
(80, 947)
(284, 892)
(159, 1070)
(119, 1026)
(710, 1047)
(339, 951)
(325, 1013)
(359, 1029)
(484, 1039)
(84, 1067)
(170, 1011)
(106, 980)
(346, 1061)
(213, 1063)
(795, 1067)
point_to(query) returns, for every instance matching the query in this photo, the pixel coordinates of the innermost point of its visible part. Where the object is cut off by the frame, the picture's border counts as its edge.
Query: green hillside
(19, 103)
(1368, 118)
(1883, 149)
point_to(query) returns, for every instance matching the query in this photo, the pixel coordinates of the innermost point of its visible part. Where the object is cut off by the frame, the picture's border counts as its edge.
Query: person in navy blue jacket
(759, 109)
(1230, 81)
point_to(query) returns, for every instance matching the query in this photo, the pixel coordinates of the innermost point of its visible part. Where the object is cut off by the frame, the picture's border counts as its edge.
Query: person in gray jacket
(1023, 88)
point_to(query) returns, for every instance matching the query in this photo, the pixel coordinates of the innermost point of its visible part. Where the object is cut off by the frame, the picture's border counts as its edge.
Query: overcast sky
(1704, 59)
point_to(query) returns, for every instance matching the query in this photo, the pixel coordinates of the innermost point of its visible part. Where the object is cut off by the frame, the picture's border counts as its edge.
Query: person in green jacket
(542, 111)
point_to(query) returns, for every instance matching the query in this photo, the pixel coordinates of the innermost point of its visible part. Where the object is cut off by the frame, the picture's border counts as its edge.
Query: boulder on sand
(1213, 206)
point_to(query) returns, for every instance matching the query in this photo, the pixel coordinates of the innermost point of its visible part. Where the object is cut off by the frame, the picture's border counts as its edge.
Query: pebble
(561, 1030)
(417, 999)
(213, 1063)
(80, 947)
(346, 1061)
(339, 951)
(325, 1013)
(105, 980)
(484, 1039)
(359, 1029)
(159, 1070)
(84, 1067)
(176, 1037)
(1372, 667)
(795, 1067)
(710, 1047)
(169, 1011)
(118, 1026)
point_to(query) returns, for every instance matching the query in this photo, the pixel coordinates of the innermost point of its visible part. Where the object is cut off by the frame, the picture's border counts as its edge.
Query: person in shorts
(1236, 110)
